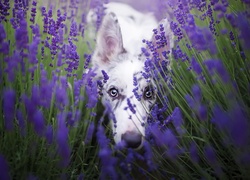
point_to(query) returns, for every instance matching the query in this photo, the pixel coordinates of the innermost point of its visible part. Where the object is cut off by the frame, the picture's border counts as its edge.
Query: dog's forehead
(127, 69)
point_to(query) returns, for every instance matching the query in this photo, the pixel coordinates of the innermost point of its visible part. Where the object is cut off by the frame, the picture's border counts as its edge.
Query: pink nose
(132, 139)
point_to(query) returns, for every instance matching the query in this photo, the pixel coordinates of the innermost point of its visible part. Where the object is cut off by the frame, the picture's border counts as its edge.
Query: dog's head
(126, 91)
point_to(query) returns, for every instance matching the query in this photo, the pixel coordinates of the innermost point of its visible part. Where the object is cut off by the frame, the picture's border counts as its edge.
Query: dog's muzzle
(132, 139)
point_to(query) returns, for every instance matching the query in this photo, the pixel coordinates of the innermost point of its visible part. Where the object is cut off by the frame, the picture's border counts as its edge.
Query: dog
(118, 56)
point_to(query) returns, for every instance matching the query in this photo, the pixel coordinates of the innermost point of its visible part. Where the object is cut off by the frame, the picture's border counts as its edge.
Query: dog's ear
(109, 40)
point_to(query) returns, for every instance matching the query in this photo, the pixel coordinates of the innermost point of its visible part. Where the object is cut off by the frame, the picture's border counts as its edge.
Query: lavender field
(53, 126)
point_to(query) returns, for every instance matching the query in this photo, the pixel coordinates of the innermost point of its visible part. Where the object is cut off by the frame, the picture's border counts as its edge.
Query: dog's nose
(132, 139)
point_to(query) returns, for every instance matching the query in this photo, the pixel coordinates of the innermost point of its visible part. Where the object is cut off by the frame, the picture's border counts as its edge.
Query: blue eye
(113, 92)
(148, 93)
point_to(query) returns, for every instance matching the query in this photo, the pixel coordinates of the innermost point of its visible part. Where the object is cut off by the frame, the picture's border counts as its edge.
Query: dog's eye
(148, 93)
(113, 92)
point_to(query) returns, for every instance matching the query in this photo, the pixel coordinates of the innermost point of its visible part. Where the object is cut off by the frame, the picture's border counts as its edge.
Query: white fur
(117, 53)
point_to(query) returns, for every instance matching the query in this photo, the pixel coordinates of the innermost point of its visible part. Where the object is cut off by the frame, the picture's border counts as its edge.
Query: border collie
(127, 93)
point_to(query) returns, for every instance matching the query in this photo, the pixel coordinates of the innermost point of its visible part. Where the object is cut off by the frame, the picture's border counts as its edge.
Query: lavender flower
(130, 106)
(105, 154)
(217, 65)
(38, 122)
(196, 91)
(73, 29)
(21, 121)
(5, 6)
(87, 58)
(149, 156)
(9, 100)
(21, 35)
(2, 34)
(194, 152)
(91, 89)
(167, 137)
(105, 76)
(196, 66)
(62, 140)
(33, 47)
(4, 173)
(202, 112)
(90, 132)
(177, 120)
(49, 135)
(46, 89)
(211, 156)
(33, 12)
(61, 97)
(220, 118)
(244, 27)
(239, 127)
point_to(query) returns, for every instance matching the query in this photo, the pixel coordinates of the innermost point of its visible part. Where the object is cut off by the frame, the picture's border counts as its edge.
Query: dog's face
(130, 97)
(127, 93)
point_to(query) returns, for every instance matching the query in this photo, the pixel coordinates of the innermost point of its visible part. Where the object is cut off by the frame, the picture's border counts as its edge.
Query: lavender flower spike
(9, 100)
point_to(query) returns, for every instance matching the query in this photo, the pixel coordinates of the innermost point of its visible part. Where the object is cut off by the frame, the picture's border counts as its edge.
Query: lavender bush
(52, 126)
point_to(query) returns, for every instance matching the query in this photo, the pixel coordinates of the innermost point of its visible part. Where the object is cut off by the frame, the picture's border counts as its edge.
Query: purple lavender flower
(130, 106)
(21, 121)
(2, 34)
(176, 30)
(91, 89)
(99, 11)
(90, 132)
(177, 118)
(165, 138)
(77, 91)
(105, 76)
(4, 173)
(220, 118)
(9, 100)
(72, 57)
(33, 12)
(49, 135)
(87, 58)
(61, 97)
(210, 154)
(196, 66)
(73, 29)
(194, 152)
(196, 91)
(239, 127)
(244, 27)
(80, 177)
(217, 65)
(149, 156)
(32, 177)
(190, 101)
(62, 140)
(232, 19)
(38, 122)
(33, 47)
(5, 6)
(46, 89)
(21, 35)
(107, 160)
(202, 112)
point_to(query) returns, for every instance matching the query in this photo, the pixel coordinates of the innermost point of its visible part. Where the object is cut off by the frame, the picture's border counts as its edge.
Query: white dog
(118, 53)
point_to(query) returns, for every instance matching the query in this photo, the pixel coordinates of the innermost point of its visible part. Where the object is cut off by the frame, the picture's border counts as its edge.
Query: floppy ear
(109, 40)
